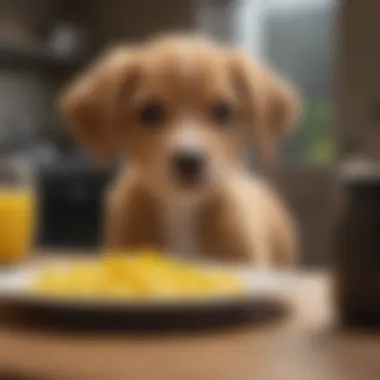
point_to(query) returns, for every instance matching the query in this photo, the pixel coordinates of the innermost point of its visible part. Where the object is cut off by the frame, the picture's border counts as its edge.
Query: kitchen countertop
(303, 345)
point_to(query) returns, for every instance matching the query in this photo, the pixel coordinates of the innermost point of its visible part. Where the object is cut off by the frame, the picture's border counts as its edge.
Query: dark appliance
(71, 198)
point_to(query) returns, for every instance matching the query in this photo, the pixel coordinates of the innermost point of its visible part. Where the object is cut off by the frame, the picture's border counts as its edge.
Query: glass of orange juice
(17, 209)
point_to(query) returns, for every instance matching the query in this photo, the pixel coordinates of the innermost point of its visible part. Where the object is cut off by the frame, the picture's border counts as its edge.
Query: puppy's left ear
(270, 105)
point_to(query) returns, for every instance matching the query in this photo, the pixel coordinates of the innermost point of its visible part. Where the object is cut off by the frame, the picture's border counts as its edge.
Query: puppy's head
(182, 109)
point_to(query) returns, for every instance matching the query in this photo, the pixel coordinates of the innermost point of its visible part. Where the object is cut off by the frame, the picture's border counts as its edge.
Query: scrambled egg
(146, 275)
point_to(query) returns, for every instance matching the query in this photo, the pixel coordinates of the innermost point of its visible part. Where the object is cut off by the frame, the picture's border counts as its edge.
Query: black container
(71, 199)
(357, 256)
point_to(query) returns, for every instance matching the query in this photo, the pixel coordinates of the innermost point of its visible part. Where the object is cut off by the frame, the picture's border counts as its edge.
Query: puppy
(182, 110)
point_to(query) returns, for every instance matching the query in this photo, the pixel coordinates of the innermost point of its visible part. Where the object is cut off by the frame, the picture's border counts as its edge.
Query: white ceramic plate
(263, 290)
(15, 284)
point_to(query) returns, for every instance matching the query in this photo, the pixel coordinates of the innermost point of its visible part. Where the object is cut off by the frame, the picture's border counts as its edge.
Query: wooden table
(302, 346)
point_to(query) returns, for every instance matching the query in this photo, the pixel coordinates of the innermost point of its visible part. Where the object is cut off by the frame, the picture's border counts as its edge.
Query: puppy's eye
(222, 113)
(152, 113)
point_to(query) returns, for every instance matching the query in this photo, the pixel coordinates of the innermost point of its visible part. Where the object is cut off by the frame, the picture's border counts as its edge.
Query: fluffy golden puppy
(182, 110)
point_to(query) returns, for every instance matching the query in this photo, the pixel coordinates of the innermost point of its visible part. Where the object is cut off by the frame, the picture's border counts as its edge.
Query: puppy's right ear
(270, 104)
(90, 102)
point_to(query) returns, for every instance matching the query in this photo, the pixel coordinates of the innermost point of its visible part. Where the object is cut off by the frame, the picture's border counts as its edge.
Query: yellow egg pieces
(143, 275)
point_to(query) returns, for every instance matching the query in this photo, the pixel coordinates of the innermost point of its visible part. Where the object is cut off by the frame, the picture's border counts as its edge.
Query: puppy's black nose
(188, 166)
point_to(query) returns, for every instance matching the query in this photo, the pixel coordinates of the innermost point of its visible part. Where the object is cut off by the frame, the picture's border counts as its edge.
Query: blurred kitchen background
(44, 42)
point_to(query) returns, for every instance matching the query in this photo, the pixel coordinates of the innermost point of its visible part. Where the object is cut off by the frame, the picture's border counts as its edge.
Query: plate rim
(26, 297)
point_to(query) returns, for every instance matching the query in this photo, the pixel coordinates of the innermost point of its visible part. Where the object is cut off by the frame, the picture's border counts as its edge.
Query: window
(296, 38)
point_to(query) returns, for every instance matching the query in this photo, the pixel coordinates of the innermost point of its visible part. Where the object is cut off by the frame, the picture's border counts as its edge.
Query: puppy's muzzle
(188, 167)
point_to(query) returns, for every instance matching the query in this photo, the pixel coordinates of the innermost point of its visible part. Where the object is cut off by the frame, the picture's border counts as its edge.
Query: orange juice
(17, 219)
